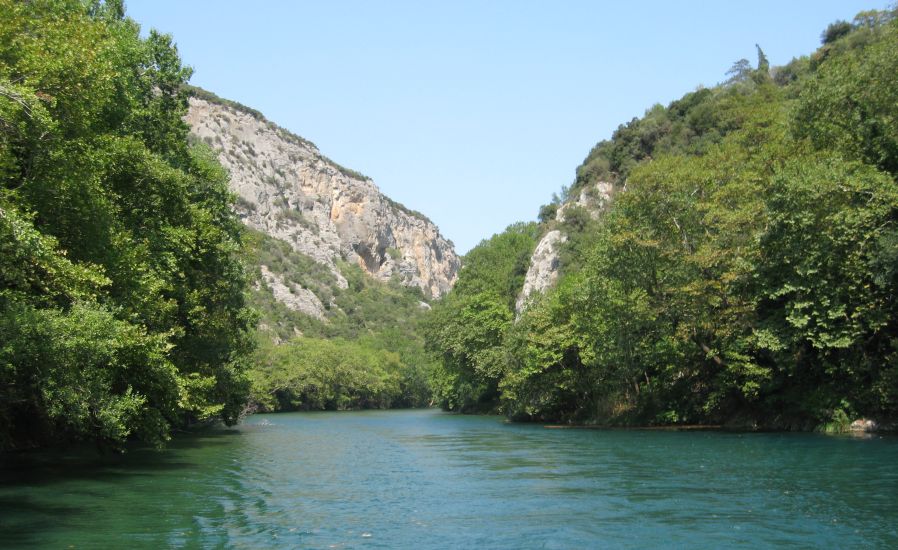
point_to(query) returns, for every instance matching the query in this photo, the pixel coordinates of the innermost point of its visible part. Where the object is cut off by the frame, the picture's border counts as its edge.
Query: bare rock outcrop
(544, 263)
(292, 295)
(543, 270)
(289, 190)
(595, 199)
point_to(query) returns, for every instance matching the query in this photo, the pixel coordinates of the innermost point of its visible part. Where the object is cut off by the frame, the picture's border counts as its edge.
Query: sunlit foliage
(746, 270)
(121, 296)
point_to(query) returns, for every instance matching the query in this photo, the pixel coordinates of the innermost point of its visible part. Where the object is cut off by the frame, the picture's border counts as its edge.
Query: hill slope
(727, 258)
(287, 189)
(341, 275)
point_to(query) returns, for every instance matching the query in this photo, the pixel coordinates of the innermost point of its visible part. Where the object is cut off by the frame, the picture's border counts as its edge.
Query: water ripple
(421, 479)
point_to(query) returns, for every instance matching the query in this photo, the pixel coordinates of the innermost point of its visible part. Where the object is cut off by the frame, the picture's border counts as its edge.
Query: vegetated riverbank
(727, 259)
(133, 301)
(622, 417)
(122, 311)
(858, 428)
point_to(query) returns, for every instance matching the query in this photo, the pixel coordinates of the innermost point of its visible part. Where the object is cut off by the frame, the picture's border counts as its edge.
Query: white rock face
(864, 425)
(288, 189)
(594, 199)
(544, 264)
(292, 295)
(543, 270)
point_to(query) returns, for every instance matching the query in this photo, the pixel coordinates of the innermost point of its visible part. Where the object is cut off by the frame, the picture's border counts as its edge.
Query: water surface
(423, 479)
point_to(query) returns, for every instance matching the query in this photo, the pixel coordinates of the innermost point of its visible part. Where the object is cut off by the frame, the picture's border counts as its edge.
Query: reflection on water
(422, 479)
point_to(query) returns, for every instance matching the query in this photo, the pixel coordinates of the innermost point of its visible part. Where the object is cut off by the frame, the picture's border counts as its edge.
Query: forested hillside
(122, 308)
(745, 272)
(730, 258)
(134, 301)
(340, 274)
(363, 350)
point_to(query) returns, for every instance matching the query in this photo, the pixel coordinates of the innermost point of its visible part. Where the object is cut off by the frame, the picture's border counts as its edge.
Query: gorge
(203, 319)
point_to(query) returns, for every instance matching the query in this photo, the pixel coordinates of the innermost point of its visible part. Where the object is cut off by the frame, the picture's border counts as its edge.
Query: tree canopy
(745, 272)
(121, 305)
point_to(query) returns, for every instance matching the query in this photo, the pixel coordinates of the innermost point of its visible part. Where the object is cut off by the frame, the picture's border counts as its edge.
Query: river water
(424, 479)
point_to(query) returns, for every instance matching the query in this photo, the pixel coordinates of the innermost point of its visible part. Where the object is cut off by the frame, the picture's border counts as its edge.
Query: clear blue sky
(473, 112)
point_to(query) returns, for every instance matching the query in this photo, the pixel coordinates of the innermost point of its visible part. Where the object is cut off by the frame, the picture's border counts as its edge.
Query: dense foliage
(336, 374)
(745, 272)
(370, 331)
(466, 330)
(121, 292)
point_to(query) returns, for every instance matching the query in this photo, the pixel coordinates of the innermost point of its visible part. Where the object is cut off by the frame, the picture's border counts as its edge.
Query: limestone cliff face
(289, 190)
(543, 270)
(292, 295)
(594, 198)
(544, 263)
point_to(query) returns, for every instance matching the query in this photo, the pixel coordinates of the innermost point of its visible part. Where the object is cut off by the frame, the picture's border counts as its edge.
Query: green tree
(835, 31)
(129, 243)
(852, 103)
(827, 315)
(466, 330)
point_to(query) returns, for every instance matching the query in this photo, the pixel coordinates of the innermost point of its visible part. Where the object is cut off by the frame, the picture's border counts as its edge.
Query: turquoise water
(423, 479)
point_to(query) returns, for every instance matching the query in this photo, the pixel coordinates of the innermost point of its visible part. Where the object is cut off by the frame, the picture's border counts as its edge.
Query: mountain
(727, 258)
(341, 275)
(288, 190)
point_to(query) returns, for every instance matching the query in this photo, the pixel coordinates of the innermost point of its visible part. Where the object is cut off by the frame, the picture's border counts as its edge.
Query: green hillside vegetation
(127, 279)
(467, 328)
(368, 352)
(121, 292)
(745, 273)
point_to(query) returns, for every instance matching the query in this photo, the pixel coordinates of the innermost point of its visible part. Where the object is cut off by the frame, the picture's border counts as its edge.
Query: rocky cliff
(544, 263)
(543, 270)
(289, 190)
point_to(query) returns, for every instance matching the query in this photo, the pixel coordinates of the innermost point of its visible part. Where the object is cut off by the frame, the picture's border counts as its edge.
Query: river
(424, 479)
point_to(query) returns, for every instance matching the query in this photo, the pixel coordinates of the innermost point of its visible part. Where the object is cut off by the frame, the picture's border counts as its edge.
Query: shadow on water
(21, 517)
(42, 490)
(84, 462)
